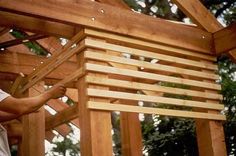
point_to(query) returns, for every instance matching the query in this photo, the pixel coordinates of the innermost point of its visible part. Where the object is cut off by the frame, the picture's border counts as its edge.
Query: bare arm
(4, 116)
(19, 106)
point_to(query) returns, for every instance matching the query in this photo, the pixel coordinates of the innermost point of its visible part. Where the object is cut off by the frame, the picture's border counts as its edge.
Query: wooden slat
(91, 16)
(148, 54)
(138, 97)
(148, 65)
(199, 14)
(224, 39)
(149, 87)
(158, 111)
(138, 42)
(150, 76)
(117, 3)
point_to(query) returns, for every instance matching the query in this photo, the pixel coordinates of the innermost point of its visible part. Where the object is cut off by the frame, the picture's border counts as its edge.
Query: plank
(116, 3)
(148, 54)
(224, 39)
(150, 76)
(150, 87)
(36, 25)
(21, 41)
(53, 64)
(148, 65)
(199, 14)
(61, 117)
(147, 98)
(158, 111)
(134, 42)
(25, 63)
(89, 16)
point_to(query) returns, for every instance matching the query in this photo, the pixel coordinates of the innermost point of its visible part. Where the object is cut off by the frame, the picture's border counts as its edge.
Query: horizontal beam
(97, 15)
(158, 111)
(22, 40)
(61, 117)
(225, 39)
(36, 25)
(14, 63)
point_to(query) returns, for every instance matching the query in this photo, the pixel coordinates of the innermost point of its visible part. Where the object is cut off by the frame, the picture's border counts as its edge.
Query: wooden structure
(109, 65)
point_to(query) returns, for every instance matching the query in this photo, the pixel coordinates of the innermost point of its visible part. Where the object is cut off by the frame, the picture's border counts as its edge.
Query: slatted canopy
(111, 62)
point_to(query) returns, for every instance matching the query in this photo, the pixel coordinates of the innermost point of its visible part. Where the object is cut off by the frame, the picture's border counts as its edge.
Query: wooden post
(210, 135)
(131, 136)
(95, 126)
(33, 129)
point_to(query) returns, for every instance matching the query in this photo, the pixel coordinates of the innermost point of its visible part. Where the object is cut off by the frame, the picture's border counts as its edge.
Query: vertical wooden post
(33, 129)
(95, 126)
(131, 135)
(210, 136)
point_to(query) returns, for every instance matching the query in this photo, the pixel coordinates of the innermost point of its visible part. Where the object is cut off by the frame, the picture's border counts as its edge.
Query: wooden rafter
(166, 32)
(22, 41)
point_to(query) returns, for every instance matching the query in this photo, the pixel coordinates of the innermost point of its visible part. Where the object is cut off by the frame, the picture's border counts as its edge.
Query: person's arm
(20, 106)
(4, 116)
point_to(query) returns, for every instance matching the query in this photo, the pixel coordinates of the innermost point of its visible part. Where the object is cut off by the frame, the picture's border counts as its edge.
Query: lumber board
(147, 98)
(195, 10)
(21, 41)
(53, 64)
(16, 63)
(116, 3)
(134, 42)
(151, 87)
(61, 117)
(158, 111)
(90, 16)
(148, 54)
(224, 39)
(150, 76)
(37, 25)
(148, 65)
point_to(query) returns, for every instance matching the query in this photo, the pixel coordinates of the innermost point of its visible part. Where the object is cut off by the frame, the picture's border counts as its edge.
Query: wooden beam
(37, 25)
(22, 41)
(116, 3)
(61, 117)
(90, 15)
(195, 10)
(34, 129)
(224, 39)
(11, 62)
(158, 111)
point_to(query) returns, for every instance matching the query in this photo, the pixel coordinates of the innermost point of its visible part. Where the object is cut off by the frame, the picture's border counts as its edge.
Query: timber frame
(108, 65)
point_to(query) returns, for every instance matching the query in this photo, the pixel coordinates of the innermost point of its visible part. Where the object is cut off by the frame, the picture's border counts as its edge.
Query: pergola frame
(90, 29)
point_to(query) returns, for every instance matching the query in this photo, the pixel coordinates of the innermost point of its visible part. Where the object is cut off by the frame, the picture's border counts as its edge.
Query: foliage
(62, 147)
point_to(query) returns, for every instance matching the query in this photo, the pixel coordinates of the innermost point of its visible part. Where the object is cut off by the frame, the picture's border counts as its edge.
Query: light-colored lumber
(151, 87)
(224, 39)
(139, 97)
(34, 129)
(166, 32)
(53, 64)
(195, 10)
(148, 54)
(148, 65)
(61, 117)
(158, 111)
(150, 76)
(134, 42)
(36, 25)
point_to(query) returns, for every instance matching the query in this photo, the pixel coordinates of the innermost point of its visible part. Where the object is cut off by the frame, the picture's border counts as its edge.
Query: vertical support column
(131, 135)
(33, 128)
(95, 126)
(210, 136)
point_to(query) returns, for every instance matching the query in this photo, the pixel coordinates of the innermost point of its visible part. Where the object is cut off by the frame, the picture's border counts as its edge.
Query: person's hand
(57, 91)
